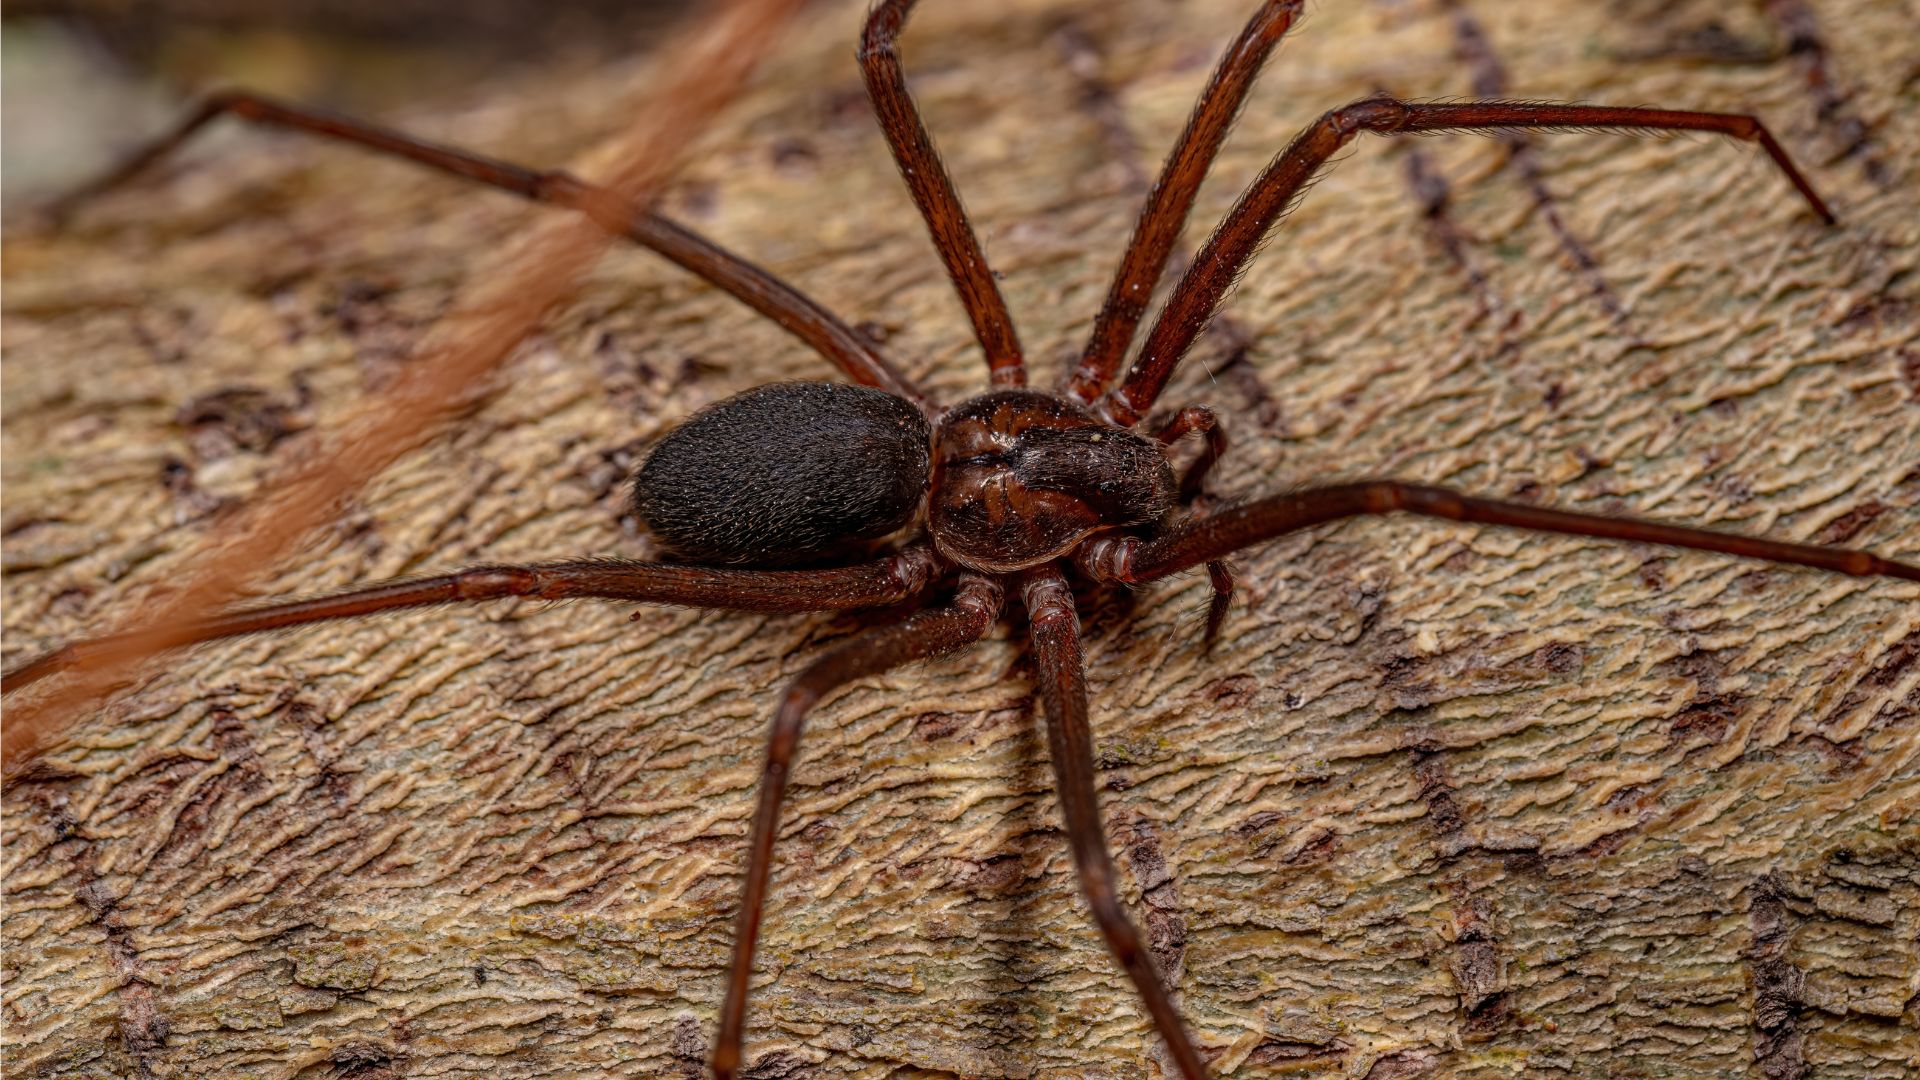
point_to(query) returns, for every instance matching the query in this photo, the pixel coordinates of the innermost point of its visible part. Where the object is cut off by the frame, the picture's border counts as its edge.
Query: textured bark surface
(1443, 802)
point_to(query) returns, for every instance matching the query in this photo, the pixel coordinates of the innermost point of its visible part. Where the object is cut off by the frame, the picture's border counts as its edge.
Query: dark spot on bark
(1708, 716)
(932, 726)
(1403, 1065)
(1910, 369)
(1238, 369)
(1230, 692)
(1561, 658)
(1444, 814)
(779, 1065)
(875, 332)
(794, 156)
(177, 477)
(1779, 988)
(1709, 42)
(365, 1061)
(1894, 663)
(1477, 961)
(1160, 893)
(97, 897)
(243, 418)
(608, 471)
(1703, 667)
(1849, 524)
(696, 198)
(1606, 845)
(143, 1030)
(1734, 487)
(1525, 862)
(1318, 847)
(996, 875)
(1403, 677)
(1298, 1055)
(1653, 573)
(1877, 310)
(1257, 823)
(688, 1047)
(1844, 131)
(1492, 1015)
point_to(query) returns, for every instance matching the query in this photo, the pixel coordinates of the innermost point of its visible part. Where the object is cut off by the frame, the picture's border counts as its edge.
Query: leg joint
(1381, 113)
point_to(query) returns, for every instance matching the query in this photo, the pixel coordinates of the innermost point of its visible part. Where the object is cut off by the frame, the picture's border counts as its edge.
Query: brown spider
(756, 495)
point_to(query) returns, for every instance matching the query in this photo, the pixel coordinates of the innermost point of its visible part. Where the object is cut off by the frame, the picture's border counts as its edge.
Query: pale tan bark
(1445, 802)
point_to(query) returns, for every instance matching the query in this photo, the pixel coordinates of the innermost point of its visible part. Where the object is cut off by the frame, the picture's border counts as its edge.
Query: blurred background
(80, 80)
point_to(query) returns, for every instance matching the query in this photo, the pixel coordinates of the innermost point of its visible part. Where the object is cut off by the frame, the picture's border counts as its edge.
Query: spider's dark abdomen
(784, 474)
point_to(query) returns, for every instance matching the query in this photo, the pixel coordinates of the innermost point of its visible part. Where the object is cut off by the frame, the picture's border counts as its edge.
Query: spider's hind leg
(747, 282)
(972, 613)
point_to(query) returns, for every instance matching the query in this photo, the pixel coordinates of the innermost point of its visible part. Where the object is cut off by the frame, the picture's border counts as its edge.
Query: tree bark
(1442, 801)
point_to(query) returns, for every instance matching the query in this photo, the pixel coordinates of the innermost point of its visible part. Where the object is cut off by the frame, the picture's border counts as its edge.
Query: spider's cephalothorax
(1020, 477)
(1018, 481)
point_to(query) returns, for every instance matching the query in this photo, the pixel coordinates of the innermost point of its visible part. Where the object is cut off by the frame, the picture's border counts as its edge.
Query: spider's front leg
(751, 284)
(1131, 561)
(1225, 256)
(1201, 420)
(975, 608)
(1055, 631)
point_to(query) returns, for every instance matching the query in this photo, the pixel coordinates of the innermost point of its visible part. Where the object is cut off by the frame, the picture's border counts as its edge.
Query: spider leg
(1055, 630)
(973, 612)
(1232, 245)
(752, 285)
(1172, 198)
(1199, 419)
(870, 584)
(934, 194)
(1203, 421)
(1130, 560)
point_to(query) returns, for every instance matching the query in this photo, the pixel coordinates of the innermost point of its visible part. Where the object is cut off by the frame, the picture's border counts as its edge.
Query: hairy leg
(973, 612)
(1233, 244)
(1200, 420)
(933, 192)
(871, 584)
(1172, 198)
(1055, 631)
(752, 285)
(1129, 560)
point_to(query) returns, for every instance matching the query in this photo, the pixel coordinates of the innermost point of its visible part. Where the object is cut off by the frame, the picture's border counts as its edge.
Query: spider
(762, 500)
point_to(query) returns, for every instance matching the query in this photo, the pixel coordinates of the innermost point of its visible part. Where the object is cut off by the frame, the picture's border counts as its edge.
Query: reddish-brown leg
(974, 609)
(1490, 81)
(1172, 198)
(1055, 631)
(1130, 560)
(933, 192)
(1225, 256)
(1198, 419)
(752, 285)
(871, 584)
